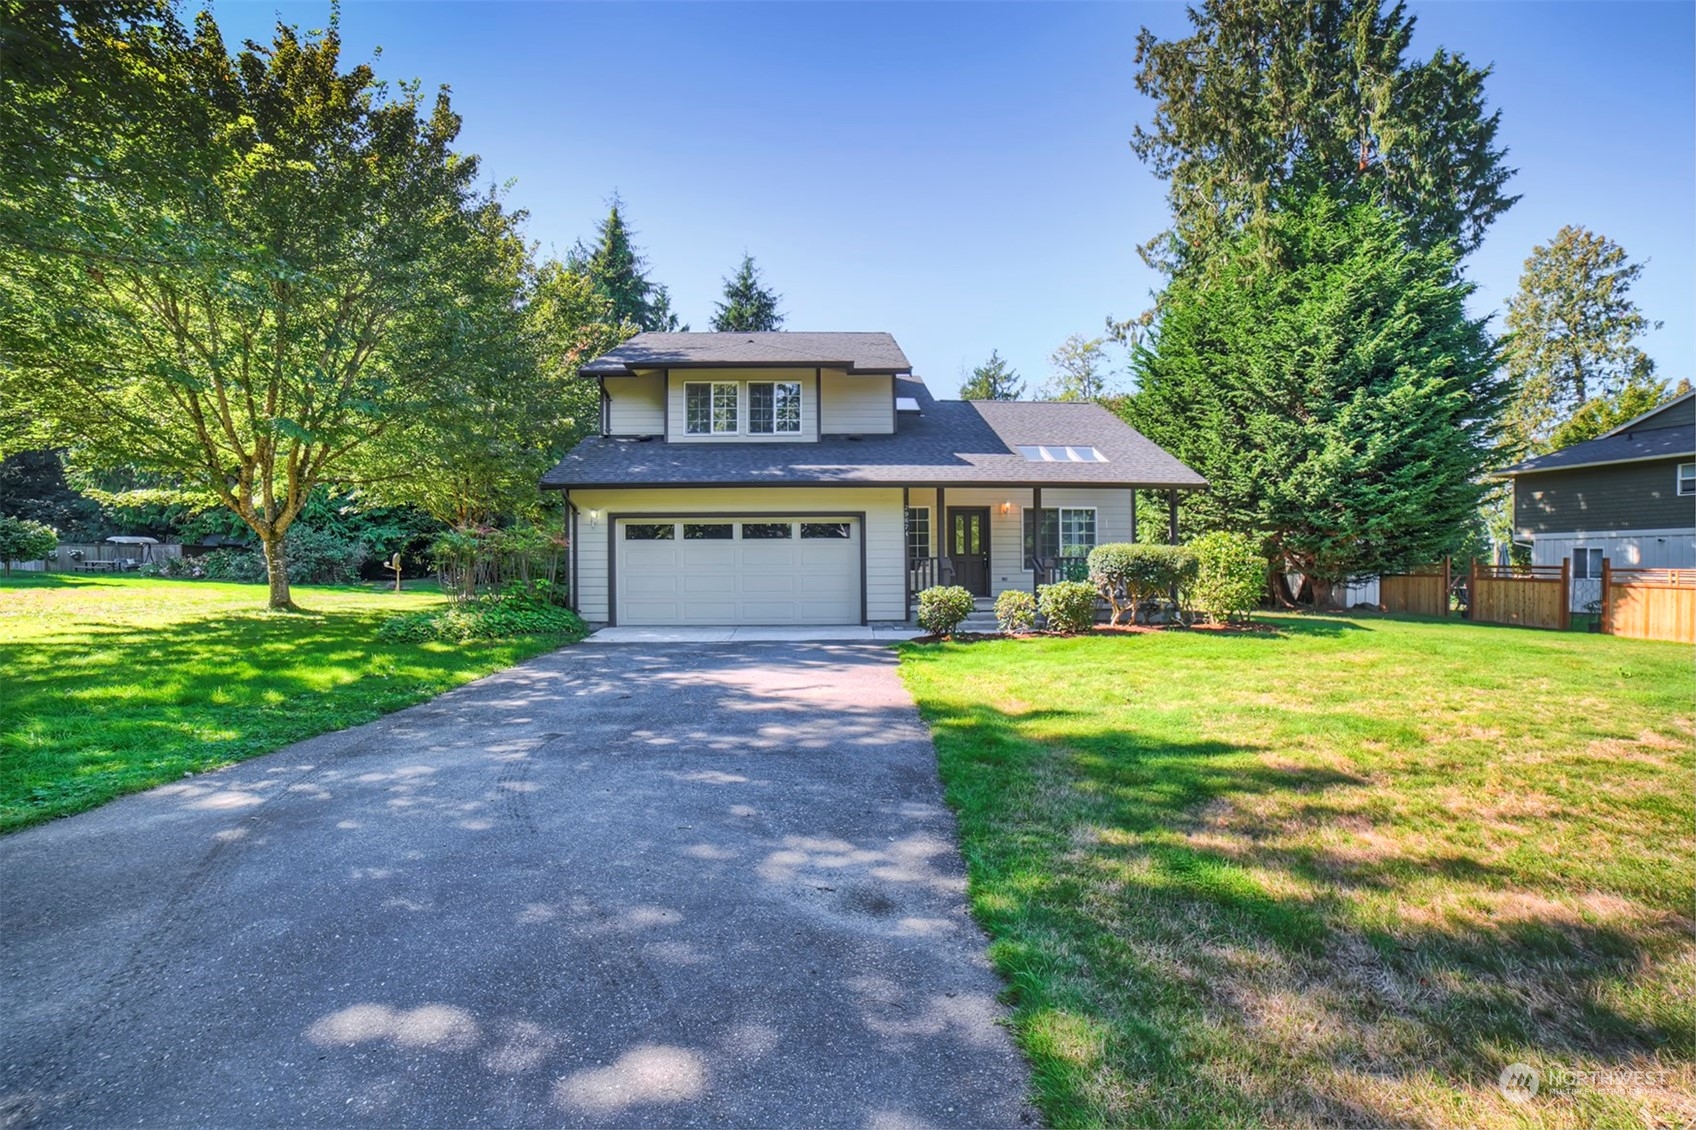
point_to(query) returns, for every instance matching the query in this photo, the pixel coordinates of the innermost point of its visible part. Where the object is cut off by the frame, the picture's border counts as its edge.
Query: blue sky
(959, 174)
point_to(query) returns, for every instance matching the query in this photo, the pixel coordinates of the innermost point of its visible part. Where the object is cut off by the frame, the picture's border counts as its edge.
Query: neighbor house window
(1687, 478)
(1586, 564)
(710, 407)
(1065, 531)
(918, 533)
(774, 407)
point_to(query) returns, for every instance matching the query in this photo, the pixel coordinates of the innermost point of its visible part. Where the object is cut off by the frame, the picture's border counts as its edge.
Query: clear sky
(960, 174)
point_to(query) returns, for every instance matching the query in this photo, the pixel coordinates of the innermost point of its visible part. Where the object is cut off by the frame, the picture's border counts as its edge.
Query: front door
(968, 547)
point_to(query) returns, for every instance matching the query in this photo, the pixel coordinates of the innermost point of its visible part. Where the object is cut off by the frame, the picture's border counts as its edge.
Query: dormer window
(710, 408)
(1053, 453)
(774, 407)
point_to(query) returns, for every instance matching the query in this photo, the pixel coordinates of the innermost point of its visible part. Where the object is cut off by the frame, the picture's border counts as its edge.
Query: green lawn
(113, 684)
(1343, 873)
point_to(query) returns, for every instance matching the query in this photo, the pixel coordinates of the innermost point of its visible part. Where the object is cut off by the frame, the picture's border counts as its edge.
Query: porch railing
(924, 572)
(1051, 569)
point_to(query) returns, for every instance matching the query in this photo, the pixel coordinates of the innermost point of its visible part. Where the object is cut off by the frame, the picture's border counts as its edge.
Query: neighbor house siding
(1007, 529)
(1669, 417)
(1621, 496)
(858, 405)
(883, 531)
(636, 405)
(809, 404)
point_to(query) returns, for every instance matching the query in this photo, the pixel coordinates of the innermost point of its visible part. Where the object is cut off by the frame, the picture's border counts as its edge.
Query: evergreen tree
(1080, 370)
(1572, 349)
(619, 271)
(1336, 395)
(748, 307)
(1269, 95)
(993, 380)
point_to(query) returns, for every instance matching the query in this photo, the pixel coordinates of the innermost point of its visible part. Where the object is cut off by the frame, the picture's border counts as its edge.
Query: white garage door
(738, 571)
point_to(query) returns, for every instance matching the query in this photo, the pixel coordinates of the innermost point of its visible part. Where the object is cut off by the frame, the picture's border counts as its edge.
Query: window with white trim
(1686, 479)
(774, 407)
(918, 533)
(1586, 564)
(1065, 531)
(710, 408)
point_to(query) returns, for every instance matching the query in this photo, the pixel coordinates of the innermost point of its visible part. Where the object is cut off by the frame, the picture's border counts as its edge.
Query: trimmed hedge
(1126, 574)
(942, 608)
(1067, 606)
(1015, 612)
(1230, 579)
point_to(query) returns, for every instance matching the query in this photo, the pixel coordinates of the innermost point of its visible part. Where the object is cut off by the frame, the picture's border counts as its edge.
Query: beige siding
(636, 405)
(809, 404)
(1007, 529)
(858, 405)
(883, 531)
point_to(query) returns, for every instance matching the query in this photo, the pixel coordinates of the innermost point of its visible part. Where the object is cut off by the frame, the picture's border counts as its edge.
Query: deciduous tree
(1080, 369)
(249, 324)
(1572, 347)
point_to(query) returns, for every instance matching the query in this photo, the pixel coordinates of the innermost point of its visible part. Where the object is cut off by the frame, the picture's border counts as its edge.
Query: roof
(1655, 411)
(1615, 447)
(948, 443)
(855, 352)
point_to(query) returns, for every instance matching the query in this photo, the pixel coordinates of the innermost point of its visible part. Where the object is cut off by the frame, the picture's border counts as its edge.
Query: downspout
(571, 548)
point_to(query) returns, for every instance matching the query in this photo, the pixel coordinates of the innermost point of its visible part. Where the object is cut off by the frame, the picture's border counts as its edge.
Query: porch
(991, 539)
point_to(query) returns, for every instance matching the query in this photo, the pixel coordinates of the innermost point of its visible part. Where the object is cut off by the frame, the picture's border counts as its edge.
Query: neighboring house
(810, 478)
(1628, 496)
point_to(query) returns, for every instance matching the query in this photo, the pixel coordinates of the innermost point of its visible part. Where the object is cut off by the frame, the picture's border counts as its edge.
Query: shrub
(1015, 611)
(319, 557)
(24, 540)
(943, 607)
(490, 618)
(242, 565)
(1067, 606)
(1127, 574)
(1230, 579)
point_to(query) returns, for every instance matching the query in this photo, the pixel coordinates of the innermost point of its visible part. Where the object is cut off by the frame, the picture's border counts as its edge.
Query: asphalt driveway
(681, 885)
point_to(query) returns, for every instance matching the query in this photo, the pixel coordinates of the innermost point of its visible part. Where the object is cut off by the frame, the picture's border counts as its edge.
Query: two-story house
(1628, 496)
(810, 478)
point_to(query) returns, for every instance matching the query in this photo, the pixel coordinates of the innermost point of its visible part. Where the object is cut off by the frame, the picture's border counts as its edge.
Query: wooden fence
(1423, 592)
(101, 556)
(1531, 596)
(1649, 604)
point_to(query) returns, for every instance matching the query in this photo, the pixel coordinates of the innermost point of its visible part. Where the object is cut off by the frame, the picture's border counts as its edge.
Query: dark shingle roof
(855, 352)
(1619, 447)
(949, 442)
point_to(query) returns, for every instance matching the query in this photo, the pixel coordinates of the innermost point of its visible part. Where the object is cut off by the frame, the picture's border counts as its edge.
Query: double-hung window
(774, 408)
(1686, 479)
(710, 408)
(1065, 531)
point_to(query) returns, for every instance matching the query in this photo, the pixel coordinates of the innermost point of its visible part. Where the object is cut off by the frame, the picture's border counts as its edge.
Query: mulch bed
(1252, 628)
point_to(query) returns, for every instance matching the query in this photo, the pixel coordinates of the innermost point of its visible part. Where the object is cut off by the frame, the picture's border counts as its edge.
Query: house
(1628, 496)
(811, 478)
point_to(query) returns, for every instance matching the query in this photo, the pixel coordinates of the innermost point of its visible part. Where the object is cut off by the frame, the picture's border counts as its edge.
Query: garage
(758, 569)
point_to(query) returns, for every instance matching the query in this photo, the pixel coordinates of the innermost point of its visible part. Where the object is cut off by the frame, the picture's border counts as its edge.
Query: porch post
(906, 555)
(941, 526)
(1172, 516)
(1036, 505)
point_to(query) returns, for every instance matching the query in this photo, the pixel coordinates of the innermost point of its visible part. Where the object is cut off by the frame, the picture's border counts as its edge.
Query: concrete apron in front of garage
(825, 633)
(611, 886)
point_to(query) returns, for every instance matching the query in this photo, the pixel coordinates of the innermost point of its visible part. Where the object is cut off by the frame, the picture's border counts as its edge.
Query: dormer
(749, 387)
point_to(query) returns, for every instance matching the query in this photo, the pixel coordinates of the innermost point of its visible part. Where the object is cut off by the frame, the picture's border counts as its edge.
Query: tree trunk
(277, 572)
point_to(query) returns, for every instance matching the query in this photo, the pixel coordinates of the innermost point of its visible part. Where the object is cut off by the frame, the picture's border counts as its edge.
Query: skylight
(1049, 453)
(906, 404)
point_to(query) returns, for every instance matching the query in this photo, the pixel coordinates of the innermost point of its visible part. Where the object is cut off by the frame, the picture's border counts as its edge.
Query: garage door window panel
(823, 530)
(767, 531)
(708, 531)
(650, 531)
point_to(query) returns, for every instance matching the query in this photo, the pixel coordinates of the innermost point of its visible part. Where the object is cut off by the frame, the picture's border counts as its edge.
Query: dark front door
(968, 547)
